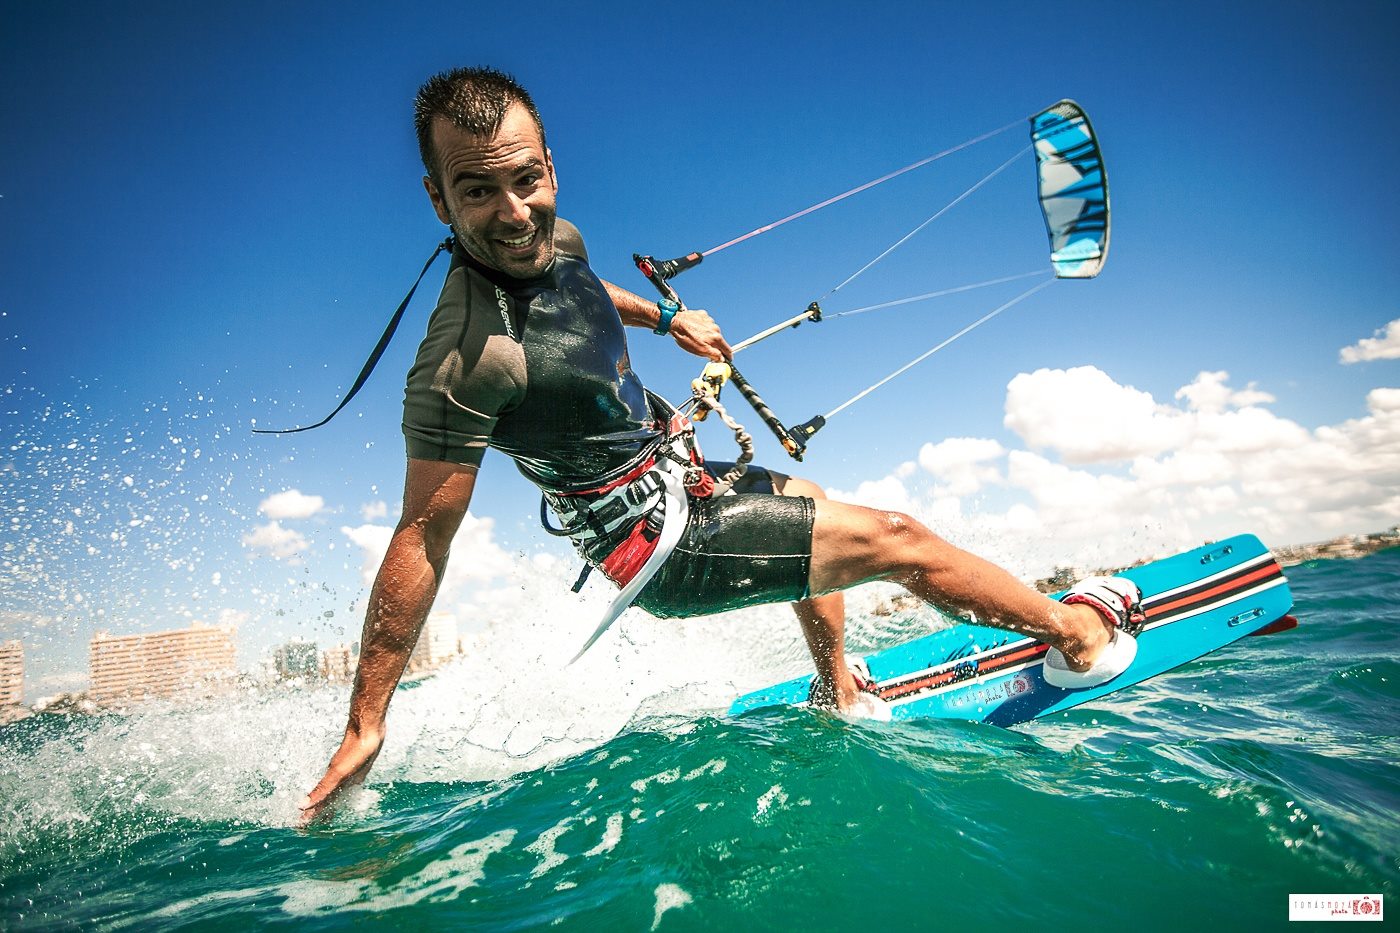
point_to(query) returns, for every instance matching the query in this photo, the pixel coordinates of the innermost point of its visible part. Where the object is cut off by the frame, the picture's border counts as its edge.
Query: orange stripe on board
(1237, 584)
(944, 677)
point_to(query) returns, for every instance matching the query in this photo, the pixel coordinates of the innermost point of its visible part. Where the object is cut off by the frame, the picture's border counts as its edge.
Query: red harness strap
(628, 557)
(609, 487)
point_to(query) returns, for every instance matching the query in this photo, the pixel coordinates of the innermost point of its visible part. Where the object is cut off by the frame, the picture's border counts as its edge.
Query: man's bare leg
(823, 619)
(852, 545)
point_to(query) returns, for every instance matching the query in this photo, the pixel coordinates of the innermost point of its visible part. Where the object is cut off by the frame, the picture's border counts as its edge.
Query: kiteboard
(1195, 602)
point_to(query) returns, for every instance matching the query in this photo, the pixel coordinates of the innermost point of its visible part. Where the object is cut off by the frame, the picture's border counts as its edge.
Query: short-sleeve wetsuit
(539, 369)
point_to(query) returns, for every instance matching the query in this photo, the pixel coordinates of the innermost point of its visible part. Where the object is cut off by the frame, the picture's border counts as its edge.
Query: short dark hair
(473, 99)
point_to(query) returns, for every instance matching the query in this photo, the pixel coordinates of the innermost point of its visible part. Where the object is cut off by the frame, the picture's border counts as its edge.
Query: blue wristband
(668, 309)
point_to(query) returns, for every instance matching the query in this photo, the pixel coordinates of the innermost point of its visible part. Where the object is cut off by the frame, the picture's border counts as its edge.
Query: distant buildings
(301, 660)
(298, 658)
(129, 668)
(1062, 579)
(1347, 547)
(437, 644)
(339, 661)
(11, 673)
(11, 680)
(200, 661)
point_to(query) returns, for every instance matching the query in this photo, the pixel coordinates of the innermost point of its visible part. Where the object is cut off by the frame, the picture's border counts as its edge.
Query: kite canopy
(1073, 190)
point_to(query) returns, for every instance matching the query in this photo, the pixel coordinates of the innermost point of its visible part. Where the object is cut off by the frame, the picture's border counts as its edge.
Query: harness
(653, 499)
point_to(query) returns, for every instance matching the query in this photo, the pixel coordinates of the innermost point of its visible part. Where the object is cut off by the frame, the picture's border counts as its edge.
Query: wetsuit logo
(504, 305)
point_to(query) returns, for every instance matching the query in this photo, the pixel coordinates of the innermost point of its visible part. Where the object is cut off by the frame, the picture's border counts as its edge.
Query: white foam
(773, 796)
(439, 881)
(612, 835)
(543, 847)
(668, 897)
(511, 706)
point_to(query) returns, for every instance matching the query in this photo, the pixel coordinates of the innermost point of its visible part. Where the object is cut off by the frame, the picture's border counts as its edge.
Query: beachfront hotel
(339, 661)
(129, 668)
(11, 673)
(298, 659)
(436, 645)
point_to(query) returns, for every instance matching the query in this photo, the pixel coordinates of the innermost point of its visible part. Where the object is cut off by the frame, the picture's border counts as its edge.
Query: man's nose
(514, 209)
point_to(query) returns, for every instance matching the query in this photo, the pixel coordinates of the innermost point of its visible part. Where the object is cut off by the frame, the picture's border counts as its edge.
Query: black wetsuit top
(537, 368)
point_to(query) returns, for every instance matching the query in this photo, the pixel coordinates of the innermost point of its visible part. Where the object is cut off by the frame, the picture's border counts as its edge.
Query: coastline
(1346, 547)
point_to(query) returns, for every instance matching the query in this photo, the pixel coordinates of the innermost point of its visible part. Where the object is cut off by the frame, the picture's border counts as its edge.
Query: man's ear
(549, 166)
(434, 195)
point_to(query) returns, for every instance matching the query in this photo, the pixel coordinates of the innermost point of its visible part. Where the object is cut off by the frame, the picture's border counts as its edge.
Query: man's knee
(853, 544)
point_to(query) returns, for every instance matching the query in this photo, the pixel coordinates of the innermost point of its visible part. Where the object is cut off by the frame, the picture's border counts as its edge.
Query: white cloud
(476, 557)
(1383, 401)
(1224, 465)
(373, 541)
(1385, 345)
(1087, 417)
(889, 494)
(291, 504)
(277, 541)
(234, 617)
(961, 463)
(1209, 393)
(374, 510)
(485, 585)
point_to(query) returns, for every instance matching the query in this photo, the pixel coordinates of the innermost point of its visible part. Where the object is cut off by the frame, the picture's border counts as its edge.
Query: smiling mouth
(520, 242)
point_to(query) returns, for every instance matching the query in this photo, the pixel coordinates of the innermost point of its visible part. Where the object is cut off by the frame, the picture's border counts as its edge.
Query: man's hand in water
(349, 766)
(696, 332)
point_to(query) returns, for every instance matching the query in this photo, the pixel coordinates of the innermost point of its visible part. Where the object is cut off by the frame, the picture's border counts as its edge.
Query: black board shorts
(747, 549)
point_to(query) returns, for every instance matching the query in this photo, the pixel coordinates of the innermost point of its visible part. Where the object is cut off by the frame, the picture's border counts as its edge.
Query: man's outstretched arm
(436, 496)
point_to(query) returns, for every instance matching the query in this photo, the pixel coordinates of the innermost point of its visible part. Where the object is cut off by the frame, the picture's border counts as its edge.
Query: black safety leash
(447, 246)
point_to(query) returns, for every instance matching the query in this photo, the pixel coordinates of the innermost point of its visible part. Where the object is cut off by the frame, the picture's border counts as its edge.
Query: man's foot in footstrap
(1119, 601)
(867, 703)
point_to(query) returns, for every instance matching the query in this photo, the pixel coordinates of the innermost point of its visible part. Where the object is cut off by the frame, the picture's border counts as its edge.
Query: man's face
(497, 193)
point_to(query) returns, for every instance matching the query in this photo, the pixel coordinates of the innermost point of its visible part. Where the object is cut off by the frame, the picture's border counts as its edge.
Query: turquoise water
(515, 794)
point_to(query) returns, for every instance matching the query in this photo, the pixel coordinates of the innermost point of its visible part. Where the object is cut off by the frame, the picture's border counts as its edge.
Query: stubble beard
(486, 249)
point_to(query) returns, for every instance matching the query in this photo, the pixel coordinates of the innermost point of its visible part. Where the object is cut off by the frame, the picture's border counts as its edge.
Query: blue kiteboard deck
(1195, 602)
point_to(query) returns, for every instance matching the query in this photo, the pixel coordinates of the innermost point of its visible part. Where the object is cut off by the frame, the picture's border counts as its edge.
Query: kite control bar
(709, 384)
(813, 313)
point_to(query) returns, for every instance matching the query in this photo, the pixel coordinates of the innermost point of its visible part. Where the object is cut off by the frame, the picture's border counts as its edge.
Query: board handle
(1247, 616)
(1216, 554)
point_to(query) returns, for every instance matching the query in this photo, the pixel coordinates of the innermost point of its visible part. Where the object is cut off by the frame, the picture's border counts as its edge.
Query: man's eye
(474, 194)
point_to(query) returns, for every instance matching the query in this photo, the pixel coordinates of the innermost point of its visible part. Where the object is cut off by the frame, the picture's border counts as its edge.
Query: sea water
(515, 793)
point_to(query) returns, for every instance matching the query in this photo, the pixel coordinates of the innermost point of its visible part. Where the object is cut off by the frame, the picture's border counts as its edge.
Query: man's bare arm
(695, 331)
(436, 496)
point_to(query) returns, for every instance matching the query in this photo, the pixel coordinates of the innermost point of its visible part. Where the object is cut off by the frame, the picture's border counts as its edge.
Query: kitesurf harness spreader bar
(675, 502)
(446, 246)
(667, 475)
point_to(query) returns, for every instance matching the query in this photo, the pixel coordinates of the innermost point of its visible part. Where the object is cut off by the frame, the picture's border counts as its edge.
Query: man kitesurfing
(526, 353)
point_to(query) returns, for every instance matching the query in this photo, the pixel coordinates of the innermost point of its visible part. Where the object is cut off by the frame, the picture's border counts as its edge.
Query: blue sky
(207, 213)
